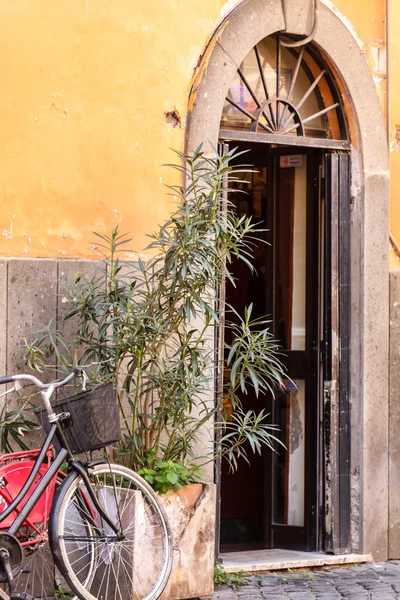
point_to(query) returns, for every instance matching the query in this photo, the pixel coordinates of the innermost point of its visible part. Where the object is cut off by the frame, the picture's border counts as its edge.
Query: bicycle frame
(15, 462)
(45, 481)
(63, 455)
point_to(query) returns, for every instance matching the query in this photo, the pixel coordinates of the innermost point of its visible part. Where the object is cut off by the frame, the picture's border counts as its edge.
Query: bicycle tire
(4, 595)
(131, 502)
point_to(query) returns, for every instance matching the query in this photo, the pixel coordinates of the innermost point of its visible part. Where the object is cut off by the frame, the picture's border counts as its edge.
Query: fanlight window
(283, 91)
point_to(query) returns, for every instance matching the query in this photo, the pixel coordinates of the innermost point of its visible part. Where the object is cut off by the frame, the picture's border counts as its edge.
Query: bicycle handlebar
(54, 384)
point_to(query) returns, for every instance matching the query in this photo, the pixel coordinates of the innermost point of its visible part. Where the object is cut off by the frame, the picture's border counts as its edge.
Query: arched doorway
(342, 137)
(283, 110)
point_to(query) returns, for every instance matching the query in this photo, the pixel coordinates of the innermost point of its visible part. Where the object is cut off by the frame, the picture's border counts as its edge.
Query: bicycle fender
(12, 478)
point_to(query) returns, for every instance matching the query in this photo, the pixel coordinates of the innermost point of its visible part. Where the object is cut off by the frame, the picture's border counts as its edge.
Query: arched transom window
(281, 91)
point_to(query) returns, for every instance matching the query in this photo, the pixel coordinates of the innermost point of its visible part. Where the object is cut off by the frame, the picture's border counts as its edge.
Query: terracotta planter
(191, 515)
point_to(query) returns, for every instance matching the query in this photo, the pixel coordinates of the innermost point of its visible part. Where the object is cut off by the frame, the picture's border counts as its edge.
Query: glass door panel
(291, 275)
(290, 457)
(298, 325)
(292, 226)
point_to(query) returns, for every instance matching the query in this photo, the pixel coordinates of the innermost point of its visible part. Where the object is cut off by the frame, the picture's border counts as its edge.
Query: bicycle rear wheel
(135, 564)
(39, 577)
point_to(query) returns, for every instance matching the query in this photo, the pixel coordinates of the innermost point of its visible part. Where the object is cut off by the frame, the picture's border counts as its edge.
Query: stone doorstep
(271, 560)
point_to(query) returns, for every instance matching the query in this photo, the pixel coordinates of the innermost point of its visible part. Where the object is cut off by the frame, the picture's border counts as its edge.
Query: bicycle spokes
(132, 564)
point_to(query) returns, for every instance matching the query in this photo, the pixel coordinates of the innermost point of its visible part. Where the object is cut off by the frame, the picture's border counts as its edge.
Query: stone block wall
(31, 293)
(394, 417)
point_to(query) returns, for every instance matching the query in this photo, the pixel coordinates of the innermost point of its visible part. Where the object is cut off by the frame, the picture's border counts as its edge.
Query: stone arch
(248, 23)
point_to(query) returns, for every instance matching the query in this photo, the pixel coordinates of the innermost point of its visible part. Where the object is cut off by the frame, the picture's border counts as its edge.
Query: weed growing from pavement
(63, 594)
(221, 577)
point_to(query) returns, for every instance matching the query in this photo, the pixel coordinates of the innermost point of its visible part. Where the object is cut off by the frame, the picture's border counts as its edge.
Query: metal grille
(275, 105)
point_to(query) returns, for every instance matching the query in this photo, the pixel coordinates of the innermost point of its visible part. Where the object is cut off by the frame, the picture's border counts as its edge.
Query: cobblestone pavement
(368, 582)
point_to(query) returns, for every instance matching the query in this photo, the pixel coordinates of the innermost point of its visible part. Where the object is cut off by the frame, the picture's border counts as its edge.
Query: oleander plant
(149, 325)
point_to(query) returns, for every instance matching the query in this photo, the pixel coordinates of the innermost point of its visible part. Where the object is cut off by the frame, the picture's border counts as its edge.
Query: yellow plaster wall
(85, 85)
(366, 16)
(368, 20)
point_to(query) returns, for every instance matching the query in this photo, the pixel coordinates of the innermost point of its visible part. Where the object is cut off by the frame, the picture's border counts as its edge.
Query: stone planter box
(191, 515)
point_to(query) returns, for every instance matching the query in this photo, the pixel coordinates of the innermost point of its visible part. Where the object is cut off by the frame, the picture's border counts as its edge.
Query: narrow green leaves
(149, 327)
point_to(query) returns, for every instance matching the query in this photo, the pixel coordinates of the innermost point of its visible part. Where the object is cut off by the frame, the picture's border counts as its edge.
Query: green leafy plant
(63, 594)
(149, 326)
(163, 475)
(221, 577)
(14, 425)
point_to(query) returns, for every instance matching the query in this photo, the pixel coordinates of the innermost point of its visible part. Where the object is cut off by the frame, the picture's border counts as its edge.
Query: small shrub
(165, 475)
(63, 594)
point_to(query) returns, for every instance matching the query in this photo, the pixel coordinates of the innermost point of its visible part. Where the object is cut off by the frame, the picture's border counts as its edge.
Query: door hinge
(327, 391)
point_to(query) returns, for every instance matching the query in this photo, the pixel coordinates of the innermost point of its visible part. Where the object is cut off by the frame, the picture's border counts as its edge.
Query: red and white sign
(292, 160)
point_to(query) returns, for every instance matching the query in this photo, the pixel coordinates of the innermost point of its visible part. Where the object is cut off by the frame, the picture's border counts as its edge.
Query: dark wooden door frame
(337, 356)
(327, 524)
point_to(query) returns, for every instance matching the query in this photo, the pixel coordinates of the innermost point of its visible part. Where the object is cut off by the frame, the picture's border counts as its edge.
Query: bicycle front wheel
(135, 563)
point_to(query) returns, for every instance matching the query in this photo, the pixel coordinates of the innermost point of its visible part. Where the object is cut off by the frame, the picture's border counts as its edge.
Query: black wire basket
(94, 419)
